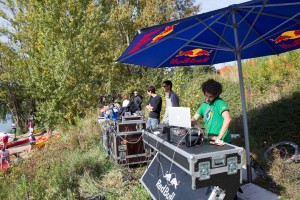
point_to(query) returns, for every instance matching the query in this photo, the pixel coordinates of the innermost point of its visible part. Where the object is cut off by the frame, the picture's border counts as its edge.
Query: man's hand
(213, 138)
(149, 107)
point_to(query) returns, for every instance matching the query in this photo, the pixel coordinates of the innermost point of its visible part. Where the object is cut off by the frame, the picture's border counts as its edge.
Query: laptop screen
(180, 116)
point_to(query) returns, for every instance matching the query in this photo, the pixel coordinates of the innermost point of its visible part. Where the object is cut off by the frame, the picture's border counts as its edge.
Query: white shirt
(125, 103)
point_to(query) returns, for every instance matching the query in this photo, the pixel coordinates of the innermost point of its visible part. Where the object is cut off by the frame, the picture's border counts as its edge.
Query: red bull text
(190, 57)
(165, 190)
(176, 61)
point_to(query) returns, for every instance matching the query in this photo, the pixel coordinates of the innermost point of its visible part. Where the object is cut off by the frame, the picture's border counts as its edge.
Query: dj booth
(181, 171)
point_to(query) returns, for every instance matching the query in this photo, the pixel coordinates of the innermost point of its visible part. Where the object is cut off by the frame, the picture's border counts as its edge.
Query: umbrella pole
(245, 122)
(242, 91)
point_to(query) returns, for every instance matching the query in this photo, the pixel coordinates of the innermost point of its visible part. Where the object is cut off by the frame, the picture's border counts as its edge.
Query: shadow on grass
(272, 123)
(277, 121)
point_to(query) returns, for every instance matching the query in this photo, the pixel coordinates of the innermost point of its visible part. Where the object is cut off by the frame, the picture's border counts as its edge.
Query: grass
(72, 167)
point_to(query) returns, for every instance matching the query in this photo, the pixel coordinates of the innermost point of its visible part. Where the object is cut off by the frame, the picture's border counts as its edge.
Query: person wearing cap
(5, 140)
(154, 106)
(172, 99)
(137, 100)
(4, 156)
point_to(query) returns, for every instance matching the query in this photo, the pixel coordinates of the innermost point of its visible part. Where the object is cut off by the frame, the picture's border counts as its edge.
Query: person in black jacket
(137, 100)
(154, 106)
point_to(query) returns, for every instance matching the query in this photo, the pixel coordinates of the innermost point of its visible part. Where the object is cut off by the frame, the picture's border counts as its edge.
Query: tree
(65, 50)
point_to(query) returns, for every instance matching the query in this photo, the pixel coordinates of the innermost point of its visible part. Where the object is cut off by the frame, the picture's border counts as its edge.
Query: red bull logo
(194, 53)
(167, 31)
(171, 179)
(288, 35)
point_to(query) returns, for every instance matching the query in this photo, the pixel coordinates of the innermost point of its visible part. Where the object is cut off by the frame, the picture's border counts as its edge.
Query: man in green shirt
(214, 112)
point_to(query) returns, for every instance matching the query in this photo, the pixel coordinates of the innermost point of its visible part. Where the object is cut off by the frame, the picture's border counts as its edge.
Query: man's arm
(175, 100)
(225, 125)
(195, 117)
(138, 100)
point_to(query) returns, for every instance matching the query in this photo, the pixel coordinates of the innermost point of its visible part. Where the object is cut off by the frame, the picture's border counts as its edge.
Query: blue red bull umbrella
(248, 30)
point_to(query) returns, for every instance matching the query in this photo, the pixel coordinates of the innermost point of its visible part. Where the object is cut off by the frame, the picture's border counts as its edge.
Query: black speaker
(166, 130)
(193, 138)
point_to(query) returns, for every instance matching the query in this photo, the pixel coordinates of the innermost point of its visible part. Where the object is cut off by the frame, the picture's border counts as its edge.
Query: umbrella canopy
(248, 30)
(263, 27)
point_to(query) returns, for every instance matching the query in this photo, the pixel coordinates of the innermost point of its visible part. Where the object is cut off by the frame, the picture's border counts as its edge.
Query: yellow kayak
(41, 141)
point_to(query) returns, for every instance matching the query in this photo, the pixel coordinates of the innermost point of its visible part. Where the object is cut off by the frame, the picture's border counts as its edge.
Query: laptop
(180, 117)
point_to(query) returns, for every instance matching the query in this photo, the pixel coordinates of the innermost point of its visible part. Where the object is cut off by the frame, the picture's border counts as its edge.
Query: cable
(130, 141)
(177, 147)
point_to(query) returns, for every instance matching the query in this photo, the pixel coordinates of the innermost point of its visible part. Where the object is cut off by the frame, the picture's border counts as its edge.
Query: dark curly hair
(213, 87)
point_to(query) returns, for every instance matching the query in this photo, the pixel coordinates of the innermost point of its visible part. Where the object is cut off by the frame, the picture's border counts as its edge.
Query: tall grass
(71, 167)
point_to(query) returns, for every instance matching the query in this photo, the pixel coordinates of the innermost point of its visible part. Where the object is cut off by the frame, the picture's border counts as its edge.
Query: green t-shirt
(213, 119)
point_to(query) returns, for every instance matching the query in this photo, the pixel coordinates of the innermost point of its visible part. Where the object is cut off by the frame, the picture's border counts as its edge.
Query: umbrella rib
(191, 39)
(255, 42)
(272, 15)
(272, 5)
(216, 33)
(227, 22)
(204, 44)
(245, 16)
(272, 30)
(214, 48)
(252, 25)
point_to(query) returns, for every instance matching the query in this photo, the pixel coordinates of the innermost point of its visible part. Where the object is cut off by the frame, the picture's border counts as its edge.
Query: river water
(6, 126)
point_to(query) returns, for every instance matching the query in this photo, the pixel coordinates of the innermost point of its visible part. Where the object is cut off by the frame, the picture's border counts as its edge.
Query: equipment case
(126, 143)
(207, 165)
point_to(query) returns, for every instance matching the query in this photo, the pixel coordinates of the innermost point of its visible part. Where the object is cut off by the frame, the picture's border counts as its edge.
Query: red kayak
(15, 143)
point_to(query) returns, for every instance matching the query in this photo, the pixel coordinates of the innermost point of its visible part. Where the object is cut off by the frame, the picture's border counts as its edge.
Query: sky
(209, 5)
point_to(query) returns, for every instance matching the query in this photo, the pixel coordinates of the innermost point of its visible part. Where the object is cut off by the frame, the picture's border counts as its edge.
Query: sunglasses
(164, 86)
